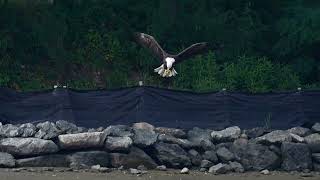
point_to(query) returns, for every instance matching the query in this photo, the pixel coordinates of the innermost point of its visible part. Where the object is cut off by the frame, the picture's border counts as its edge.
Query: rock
(118, 143)
(255, 132)
(135, 158)
(47, 130)
(275, 149)
(66, 127)
(184, 171)
(206, 164)
(236, 167)
(226, 145)
(228, 134)
(143, 125)
(7, 160)
(244, 136)
(81, 140)
(51, 160)
(104, 170)
(161, 168)
(275, 137)
(118, 131)
(200, 138)
(300, 131)
(265, 172)
(316, 157)
(296, 157)
(10, 130)
(134, 171)
(171, 155)
(211, 156)
(100, 129)
(316, 128)
(28, 130)
(225, 155)
(81, 130)
(86, 159)
(92, 130)
(184, 143)
(219, 169)
(27, 146)
(177, 133)
(255, 156)
(144, 138)
(96, 167)
(203, 169)
(313, 142)
(195, 157)
(296, 138)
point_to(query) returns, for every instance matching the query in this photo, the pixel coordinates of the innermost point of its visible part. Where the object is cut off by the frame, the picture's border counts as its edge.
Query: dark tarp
(161, 107)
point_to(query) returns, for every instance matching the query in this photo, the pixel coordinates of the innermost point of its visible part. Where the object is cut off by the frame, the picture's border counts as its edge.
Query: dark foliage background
(269, 45)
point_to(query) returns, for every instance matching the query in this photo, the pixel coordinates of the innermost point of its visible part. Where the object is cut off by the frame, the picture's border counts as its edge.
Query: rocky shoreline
(142, 147)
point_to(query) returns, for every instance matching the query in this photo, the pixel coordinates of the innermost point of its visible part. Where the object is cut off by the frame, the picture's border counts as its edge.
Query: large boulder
(316, 128)
(144, 137)
(206, 164)
(200, 138)
(10, 130)
(300, 131)
(118, 143)
(171, 155)
(210, 155)
(184, 143)
(195, 157)
(178, 133)
(295, 156)
(27, 146)
(66, 127)
(297, 138)
(28, 130)
(118, 131)
(220, 168)
(47, 130)
(275, 137)
(143, 125)
(81, 140)
(313, 141)
(133, 159)
(86, 159)
(236, 167)
(225, 155)
(255, 132)
(228, 134)
(254, 156)
(6, 160)
(51, 160)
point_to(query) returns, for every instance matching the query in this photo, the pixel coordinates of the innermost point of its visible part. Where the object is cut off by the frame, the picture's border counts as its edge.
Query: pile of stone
(142, 146)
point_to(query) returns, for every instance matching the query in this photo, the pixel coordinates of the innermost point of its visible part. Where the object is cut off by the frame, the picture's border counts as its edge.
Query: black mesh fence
(161, 107)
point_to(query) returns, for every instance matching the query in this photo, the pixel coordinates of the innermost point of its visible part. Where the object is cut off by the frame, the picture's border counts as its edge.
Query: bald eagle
(166, 69)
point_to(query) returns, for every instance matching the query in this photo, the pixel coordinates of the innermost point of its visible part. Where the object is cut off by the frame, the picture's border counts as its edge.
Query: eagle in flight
(166, 69)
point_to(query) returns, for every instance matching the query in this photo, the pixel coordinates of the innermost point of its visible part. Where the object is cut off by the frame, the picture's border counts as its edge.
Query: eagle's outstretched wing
(149, 42)
(191, 51)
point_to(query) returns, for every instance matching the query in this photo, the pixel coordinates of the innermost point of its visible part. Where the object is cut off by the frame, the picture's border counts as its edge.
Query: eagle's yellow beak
(166, 72)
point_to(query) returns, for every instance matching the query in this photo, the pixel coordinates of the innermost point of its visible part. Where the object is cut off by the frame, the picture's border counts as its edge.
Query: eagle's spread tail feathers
(165, 73)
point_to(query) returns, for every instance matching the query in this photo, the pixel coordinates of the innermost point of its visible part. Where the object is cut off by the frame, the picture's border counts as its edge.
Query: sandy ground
(6, 174)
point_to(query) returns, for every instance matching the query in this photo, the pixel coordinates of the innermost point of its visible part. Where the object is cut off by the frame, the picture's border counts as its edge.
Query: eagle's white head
(170, 62)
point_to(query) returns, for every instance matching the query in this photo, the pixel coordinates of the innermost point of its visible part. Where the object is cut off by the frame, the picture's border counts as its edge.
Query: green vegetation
(269, 45)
